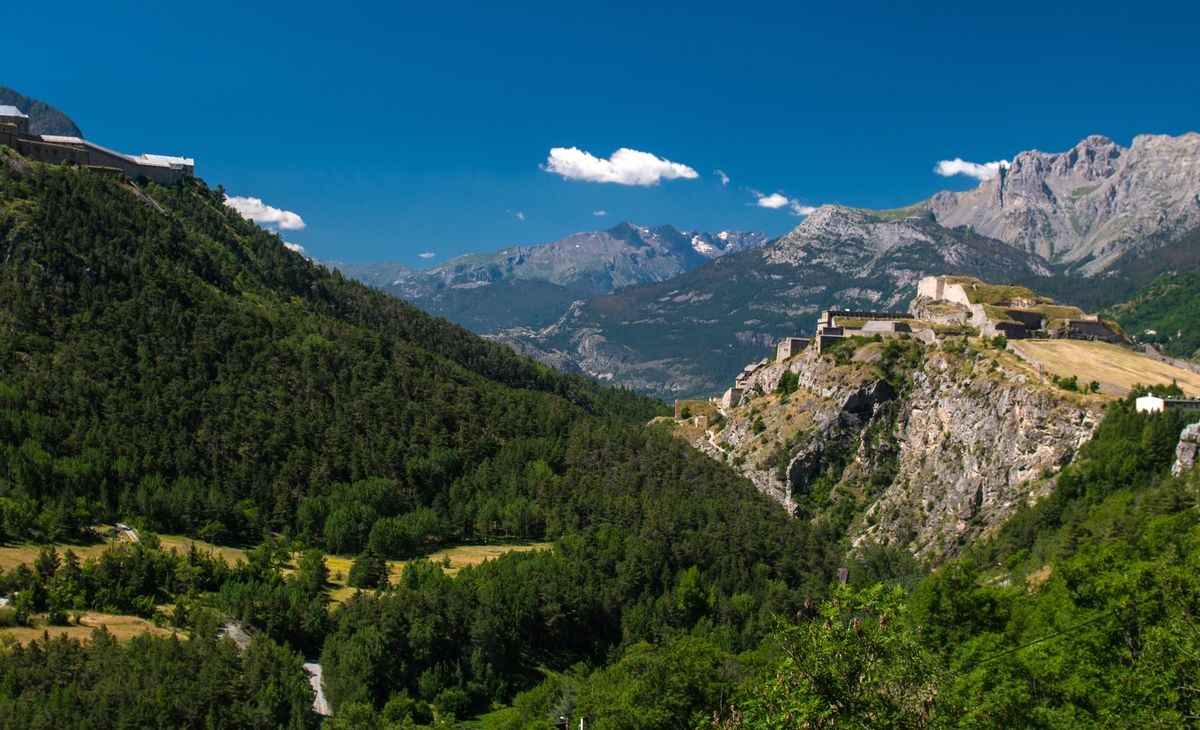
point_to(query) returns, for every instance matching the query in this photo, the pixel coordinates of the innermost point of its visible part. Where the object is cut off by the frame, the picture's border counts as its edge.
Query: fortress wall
(938, 288)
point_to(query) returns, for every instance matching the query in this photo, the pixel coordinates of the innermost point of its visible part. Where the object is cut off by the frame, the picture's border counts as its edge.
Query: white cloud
(599, 213)
(624, 167)
(427, 254)
(776, 201)
(517, 214)
(265, 215)
(294, 247)
(959, 166)
(721, 174)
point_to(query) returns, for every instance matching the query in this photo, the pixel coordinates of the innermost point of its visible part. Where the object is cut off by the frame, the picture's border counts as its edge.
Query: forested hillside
(1165, 314)
(166, 363)
(1084, 611)
(162, 357)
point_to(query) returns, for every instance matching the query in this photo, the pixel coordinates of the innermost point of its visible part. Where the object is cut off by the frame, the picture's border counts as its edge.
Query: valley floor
(452, 559)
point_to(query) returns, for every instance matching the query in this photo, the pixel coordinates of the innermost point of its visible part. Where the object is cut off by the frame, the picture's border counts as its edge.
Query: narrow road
(320, 704)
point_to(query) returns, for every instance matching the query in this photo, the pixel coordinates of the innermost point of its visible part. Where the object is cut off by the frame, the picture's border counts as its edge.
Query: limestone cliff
(901, 443)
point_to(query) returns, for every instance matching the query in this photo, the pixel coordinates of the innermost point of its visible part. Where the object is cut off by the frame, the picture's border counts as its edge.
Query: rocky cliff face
(1089, 206)
(1187, 450)
(906, 444)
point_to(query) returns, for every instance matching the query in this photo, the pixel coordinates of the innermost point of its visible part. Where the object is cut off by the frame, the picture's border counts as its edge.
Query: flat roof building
(1155, 404)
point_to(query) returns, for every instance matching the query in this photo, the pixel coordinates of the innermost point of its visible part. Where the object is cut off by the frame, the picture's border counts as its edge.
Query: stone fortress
(944, 305)
(162, 169)
(1014, 312)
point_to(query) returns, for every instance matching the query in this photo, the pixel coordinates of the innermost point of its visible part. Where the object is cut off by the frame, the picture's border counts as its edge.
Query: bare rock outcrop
(933, 453)
(1186, 451)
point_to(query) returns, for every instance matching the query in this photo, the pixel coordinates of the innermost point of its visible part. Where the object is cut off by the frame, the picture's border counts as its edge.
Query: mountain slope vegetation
(1166, 314)
(166, 363)
(1081, 612)
(162, 346)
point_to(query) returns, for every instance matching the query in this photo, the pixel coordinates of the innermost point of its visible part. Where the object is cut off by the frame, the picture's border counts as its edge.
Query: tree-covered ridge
(162, 357)
(1165, 314)
(164, 362)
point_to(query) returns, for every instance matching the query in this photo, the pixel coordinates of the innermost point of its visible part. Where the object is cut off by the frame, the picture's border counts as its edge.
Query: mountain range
(1086, 208)
(628, 305)
(1091, 225)
(691, 333)
(532, 286)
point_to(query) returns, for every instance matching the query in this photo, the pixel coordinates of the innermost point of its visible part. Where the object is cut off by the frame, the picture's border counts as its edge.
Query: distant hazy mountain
(532, 286)
(380, 275)
(1087, 208)
(43, 118)
(691, 334)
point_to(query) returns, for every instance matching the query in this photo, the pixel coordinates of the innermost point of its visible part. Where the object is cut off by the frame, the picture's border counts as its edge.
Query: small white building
(1155, 404)
(1149, 404)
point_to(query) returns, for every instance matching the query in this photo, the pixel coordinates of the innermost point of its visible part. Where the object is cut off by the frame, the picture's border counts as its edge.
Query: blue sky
(397, 129)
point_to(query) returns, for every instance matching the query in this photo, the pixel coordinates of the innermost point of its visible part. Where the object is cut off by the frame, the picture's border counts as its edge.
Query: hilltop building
(14, 133)
(747, 372)
(1155, 404)
(838, 324)
(1012, 311)
(790, 347)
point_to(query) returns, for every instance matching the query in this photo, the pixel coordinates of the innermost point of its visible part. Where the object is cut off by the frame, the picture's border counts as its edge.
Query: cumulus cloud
(721, 174)
(958, 166)
(294, 247)
(599, 213)
(265, 215)
(776, 201)
(516, 214)
(427, 254)
(624, 167)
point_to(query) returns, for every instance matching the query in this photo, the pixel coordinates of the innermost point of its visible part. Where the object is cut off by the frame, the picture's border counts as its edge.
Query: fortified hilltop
(54, 148)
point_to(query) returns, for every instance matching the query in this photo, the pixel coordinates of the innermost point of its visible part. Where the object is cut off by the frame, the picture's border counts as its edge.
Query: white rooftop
(11, 111)
(167, 160)
(61, 139)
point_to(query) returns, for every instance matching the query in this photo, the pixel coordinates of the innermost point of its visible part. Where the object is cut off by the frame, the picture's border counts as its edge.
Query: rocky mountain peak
(854, 240)
(1094, 158)
(1089, 206)
(624, 231)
